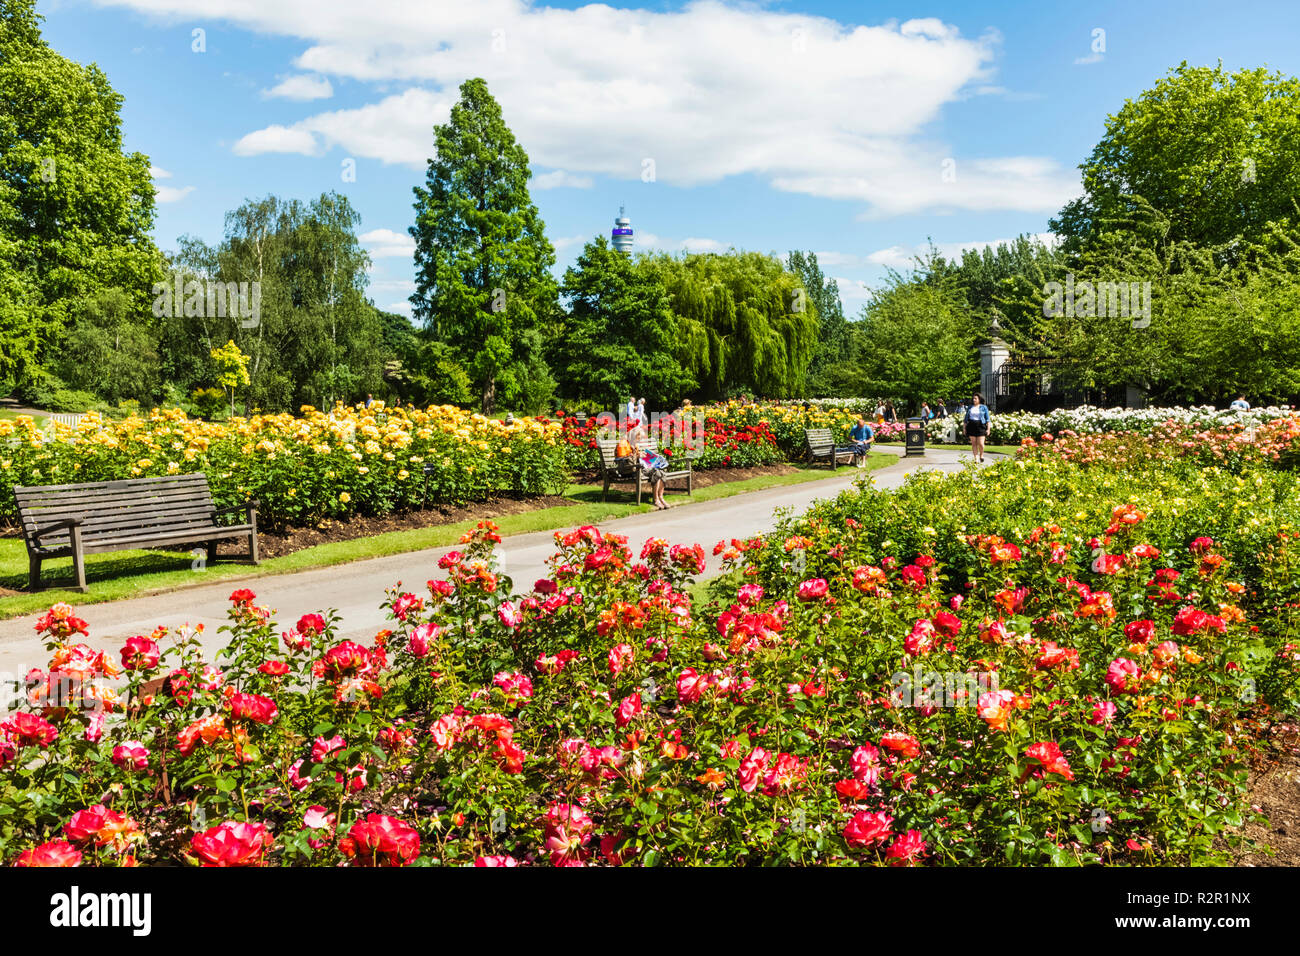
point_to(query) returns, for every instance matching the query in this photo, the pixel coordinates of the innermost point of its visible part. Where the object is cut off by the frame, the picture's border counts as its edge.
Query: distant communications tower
(621, 236)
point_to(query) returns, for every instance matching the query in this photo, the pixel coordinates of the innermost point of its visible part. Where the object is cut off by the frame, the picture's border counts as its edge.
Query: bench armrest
(67, 524)
(248, 506)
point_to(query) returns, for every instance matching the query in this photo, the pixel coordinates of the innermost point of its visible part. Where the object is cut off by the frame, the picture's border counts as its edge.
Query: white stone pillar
(993, 355)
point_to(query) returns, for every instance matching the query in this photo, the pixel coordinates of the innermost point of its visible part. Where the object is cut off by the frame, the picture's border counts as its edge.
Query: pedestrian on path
(977, 425)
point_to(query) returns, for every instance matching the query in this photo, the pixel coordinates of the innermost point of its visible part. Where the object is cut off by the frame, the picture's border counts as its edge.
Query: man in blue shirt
(860, 439)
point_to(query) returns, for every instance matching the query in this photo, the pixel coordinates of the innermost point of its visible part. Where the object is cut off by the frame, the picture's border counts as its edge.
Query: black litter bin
(915, 437)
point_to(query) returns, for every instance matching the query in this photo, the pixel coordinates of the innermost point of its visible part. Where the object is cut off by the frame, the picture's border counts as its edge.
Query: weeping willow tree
(746, 325)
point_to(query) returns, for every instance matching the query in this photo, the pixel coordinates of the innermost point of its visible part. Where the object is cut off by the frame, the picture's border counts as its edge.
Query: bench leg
(604, 491)
(638, 488)
(78, 560)
(252, 535)
(212, 552)
(690, 481)
(33, 573)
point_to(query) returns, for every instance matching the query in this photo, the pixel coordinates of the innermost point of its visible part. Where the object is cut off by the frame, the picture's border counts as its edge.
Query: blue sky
(855, 130)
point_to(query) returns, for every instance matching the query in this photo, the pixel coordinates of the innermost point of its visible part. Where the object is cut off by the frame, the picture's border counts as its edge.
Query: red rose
(1140, 632)
(139, 654)
(628, 708)
(868, 828)
(24, 728)
(232, 844)
(311, 624)
(253, 707)
(381, 840)
(54, 853)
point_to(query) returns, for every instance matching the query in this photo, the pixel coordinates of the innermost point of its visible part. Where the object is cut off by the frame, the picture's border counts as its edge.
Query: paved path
(356, 589)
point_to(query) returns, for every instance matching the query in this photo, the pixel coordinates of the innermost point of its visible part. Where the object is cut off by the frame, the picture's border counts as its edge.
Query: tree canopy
(75, 209)
(483, 281)
(618, 338)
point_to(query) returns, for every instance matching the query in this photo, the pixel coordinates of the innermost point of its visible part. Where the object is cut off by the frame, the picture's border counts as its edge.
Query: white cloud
(172, 193)
(386, 244)
(693, 244)
(560, 179)
(401, 308)
(1090, 59)
(157, 172)
(854, 293)
(277, 139)
(301, 87)
(568, 242)
(707, 91)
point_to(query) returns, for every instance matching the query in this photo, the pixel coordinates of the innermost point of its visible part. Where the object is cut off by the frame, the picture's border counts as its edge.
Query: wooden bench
(610, 473)
(821, 444)
(75, 520)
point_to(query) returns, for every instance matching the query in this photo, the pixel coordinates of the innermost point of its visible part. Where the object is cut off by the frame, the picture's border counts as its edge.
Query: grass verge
(128, 574)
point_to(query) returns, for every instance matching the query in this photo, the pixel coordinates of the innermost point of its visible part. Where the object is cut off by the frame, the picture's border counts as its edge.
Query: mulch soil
(1275, 792)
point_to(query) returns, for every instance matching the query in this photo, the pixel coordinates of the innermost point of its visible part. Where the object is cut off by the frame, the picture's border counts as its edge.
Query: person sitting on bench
(860, 439)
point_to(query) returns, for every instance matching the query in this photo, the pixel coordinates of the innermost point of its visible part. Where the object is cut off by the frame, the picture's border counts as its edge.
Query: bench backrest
(108, 509)
(819, 439)
(610, 445)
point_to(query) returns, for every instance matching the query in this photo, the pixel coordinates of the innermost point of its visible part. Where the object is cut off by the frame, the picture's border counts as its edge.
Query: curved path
(356, 589)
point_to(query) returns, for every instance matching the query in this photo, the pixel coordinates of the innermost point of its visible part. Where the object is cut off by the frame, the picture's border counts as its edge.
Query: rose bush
(1039, 663)
(1010, 428)
(721, 444)
(302, 469)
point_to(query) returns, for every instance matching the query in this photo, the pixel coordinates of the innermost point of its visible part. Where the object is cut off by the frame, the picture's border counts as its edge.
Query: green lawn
(11, 414)
(125, 574)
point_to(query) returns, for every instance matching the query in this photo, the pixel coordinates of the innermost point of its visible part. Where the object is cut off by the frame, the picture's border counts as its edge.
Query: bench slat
(125, 497)
(148, 542)
(54, 539)
(196, 477)
(90, 517)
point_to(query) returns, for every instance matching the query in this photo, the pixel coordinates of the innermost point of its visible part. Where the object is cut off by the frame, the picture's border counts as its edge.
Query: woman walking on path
(977, 425)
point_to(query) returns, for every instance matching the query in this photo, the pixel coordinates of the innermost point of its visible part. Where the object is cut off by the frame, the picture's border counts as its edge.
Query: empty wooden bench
(677, 468)
(821, 444)
(59, 521)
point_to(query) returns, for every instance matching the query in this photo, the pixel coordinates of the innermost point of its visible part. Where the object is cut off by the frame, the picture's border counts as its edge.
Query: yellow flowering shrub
(302, 468)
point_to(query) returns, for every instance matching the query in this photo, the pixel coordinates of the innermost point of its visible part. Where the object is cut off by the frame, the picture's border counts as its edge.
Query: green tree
(482, 259)
(1212, 151)
(75, 210)
(915, 340)
(833, 332)
(738, 328)
(618, 337)
(109, 350)
(232, 369)
(315, 339)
